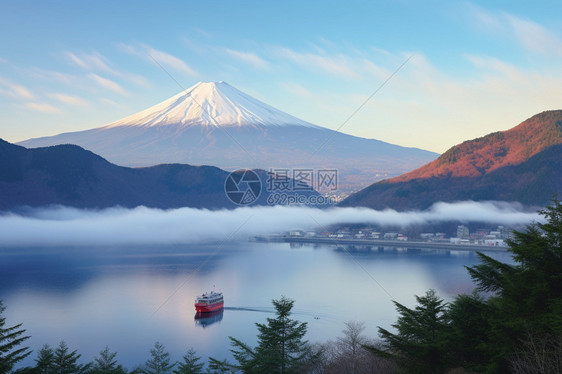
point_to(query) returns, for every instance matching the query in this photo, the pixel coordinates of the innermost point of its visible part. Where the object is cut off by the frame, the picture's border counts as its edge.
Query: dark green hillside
(71, 176)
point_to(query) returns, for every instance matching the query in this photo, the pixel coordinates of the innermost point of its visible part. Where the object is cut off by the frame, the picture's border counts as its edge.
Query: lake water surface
(128, 298)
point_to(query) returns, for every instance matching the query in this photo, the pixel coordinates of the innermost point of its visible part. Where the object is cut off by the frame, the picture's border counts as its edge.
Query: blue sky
(475, 67)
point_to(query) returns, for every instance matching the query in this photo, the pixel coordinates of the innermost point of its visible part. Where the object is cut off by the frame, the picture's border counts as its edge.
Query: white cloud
(107, 83)
(113, 103)
(202, 32)
(138, 80)
(69, 99)
(154, 55)
(64, 78)
(42, 107)
(485, 20)
(171, 61)
(117, 226)
(337, 65)
(248, 57)
(93, 61)
(535, 37)
(375, 70)
(332, 107)
(503, 69)
(96, 62)
(299, 90)
(530, 35)
(21, 92)
(16, 91)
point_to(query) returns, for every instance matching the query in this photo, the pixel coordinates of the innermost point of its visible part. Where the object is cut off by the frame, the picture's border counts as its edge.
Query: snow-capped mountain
(216, 124)
(211, 104)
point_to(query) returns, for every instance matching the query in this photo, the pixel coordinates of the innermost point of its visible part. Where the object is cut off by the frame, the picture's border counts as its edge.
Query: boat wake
(316, 315)
(250, 309)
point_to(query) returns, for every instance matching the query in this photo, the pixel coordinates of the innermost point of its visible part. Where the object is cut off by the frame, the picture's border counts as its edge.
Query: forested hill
(72, 176)
(522, 164)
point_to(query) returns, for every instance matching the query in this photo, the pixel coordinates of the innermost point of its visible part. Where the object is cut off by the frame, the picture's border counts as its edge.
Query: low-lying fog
(120, 226)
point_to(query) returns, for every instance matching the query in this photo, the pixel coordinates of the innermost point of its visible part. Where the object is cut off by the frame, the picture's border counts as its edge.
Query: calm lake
(130, 297)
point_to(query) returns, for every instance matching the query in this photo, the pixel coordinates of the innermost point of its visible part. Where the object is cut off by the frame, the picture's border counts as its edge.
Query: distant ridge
(216, 124)
(71, 176)
(523, 164)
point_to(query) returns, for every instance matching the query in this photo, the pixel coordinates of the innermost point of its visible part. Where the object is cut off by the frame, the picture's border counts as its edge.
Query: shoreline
(376, 243)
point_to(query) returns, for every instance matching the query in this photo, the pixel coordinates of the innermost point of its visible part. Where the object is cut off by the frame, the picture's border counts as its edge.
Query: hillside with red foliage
(523, 164)
(480, 156)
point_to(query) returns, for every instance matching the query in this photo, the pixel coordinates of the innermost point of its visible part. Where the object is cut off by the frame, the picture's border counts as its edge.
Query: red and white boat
(209, 302)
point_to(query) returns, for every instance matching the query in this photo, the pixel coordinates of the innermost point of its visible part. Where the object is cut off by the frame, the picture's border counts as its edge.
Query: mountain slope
(69, 175)
(216, 124)
(480, 156)
(521, 164)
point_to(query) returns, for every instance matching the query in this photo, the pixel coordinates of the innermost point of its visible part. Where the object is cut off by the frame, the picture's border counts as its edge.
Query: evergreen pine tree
(45, 361)
(190, 364)
(25, 370)
(159, 363)
(468, 341)
(526, 297)
(281, 348)
(106, 363)
(11, 339)
(221, 367)
(66, 362)
(419, 346)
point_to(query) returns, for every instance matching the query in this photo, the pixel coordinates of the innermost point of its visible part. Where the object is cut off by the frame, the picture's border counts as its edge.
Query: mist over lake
(67, 226)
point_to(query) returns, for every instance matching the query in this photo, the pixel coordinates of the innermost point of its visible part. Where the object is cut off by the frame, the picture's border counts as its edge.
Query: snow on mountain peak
(211, 104)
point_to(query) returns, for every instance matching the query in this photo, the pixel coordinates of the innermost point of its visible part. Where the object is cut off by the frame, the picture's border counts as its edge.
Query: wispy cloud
(138, 80)
(165, 59)
(16, 91)
(69, 99)
(297, 89)
(55, 76)
(42, 107)
(107, 83)
(353, 64)
(531, 35)
(535, 37)
(96, 62)
(171, 61)
(337, 65)
(248, 57)
(375, 70)
(92, 61)
(487, 63)
(202, 32)
(113, 103)
(334, 105)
